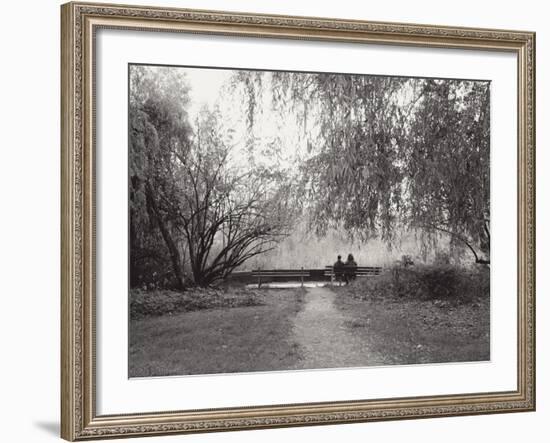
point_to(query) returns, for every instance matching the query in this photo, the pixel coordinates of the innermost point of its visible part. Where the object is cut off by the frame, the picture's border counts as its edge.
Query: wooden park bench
(279, 274)
(360, 271)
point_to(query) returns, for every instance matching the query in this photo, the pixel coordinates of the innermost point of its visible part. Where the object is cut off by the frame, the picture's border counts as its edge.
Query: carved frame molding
(79, 24)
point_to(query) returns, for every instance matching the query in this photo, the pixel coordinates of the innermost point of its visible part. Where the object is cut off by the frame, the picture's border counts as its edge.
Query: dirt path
(325, 335)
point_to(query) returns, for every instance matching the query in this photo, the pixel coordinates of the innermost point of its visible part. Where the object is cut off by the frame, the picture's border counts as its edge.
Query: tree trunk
(168, 240)
(477, 258)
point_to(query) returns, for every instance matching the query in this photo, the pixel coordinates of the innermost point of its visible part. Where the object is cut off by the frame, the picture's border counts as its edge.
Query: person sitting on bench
(350, 269)
(338, 269)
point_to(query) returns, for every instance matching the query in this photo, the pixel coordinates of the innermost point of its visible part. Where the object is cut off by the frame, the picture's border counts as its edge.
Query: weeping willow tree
(447, 164)
(159, 130)
(385, 152)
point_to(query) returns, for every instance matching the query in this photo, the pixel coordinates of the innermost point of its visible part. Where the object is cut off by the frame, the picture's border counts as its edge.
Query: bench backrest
(359, 270)
(280, 273)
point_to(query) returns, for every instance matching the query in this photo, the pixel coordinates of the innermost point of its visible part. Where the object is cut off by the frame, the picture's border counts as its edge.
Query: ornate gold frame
(79, 21)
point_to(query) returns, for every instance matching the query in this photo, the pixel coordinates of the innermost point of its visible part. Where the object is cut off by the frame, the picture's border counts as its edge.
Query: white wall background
(29, 219)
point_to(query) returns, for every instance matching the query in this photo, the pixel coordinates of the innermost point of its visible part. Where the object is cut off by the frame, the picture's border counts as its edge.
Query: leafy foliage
(387, 152)
(158, 129)
(438, 282)
(382, 155)
(448, 164)
(210, 214)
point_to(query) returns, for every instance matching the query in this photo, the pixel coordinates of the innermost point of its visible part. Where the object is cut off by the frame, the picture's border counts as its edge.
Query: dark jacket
(350, 269)
(338, 268)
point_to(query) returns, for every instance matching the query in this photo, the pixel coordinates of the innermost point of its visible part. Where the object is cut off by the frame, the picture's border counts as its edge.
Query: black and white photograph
(283, 220)
(234, 221)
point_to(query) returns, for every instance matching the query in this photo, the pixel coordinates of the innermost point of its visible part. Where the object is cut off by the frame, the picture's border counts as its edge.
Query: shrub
(151, 303)
(426, 282)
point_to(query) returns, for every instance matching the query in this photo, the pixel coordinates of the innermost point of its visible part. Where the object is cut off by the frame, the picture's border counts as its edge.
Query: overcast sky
(205, 86)
(207, 89)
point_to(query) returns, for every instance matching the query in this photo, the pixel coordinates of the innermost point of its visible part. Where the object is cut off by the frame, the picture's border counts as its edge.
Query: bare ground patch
(326, 335)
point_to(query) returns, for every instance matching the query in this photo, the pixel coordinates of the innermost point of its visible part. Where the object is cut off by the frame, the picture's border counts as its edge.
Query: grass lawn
(412, 331)
(214, 331)
(247, 338)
